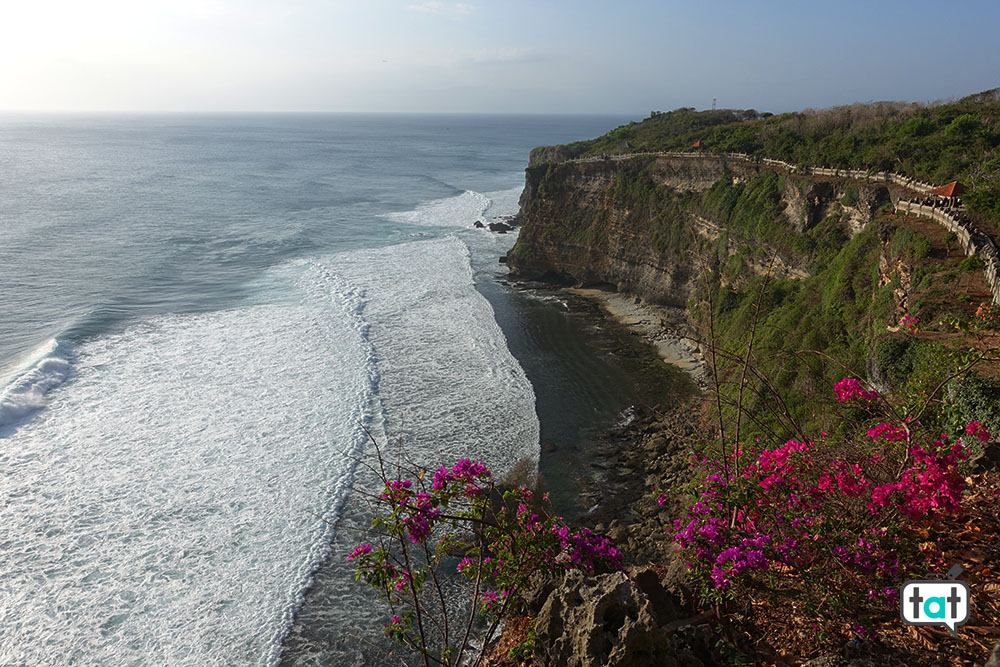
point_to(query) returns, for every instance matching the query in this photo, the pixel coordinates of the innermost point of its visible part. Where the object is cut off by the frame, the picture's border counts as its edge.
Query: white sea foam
(503, 202)
(449, 386)
(11, 372)
(164, 508)
(24, 387)
(460, 211)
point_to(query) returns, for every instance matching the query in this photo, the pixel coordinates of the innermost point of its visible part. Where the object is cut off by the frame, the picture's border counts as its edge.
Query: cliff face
(639, 225)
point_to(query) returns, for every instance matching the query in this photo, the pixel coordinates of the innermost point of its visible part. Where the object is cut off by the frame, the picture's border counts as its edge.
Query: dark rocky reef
(500, 227)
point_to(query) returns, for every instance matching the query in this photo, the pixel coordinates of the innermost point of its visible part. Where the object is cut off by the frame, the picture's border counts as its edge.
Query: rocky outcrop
(896, 271)
(614, 620)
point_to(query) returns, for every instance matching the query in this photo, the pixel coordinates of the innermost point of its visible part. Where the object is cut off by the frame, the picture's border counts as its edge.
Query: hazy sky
(582, 56)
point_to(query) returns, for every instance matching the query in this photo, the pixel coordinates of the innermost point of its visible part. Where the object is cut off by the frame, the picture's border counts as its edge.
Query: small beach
(666, 328)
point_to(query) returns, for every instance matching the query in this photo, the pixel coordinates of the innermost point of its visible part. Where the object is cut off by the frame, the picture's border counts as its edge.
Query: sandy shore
(662, 326)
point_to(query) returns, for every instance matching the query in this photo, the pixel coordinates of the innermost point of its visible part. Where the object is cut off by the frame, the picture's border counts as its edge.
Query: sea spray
(23, 389)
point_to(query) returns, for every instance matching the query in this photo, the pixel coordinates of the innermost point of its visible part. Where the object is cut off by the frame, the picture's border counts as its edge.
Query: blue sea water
(198, 315)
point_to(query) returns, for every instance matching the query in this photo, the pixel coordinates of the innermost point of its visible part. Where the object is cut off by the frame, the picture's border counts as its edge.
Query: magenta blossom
(850, 388)
(360, 550)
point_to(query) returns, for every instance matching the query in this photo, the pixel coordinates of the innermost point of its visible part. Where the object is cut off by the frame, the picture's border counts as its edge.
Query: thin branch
(715, 382)
(746, 363)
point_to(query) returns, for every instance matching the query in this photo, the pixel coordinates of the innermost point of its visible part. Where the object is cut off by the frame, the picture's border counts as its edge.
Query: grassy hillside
(847, 311)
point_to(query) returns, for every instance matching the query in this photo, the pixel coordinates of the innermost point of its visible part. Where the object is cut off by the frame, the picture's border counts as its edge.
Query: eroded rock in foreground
(614, 620)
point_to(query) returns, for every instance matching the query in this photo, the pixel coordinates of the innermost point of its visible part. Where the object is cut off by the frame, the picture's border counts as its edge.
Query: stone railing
(877, 176)
(856, 174)
(979, 245)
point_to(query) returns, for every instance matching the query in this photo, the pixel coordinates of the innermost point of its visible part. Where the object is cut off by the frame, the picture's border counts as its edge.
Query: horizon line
(191, 112)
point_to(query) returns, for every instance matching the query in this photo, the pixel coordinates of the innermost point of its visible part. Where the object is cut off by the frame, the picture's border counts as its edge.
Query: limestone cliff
(641, 224)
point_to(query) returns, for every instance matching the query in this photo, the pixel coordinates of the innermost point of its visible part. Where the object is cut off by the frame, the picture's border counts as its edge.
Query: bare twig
(746, 363)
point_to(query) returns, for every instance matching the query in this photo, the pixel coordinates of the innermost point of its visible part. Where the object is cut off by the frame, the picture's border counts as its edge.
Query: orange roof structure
(952, 189)
(696, 144)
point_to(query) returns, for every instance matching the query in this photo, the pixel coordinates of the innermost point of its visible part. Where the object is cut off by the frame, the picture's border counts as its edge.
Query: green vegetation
(634, 191)
(751, 211)
(810, 331)
(911, 244)
(850, 197)
(660, 209)
(885, 317)
(937, 143)
(971, 263)
(979, 397)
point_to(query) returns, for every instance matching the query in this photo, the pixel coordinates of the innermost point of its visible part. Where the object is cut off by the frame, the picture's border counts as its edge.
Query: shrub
(976, 398)
(499, 539)
(907, 242)
(921, 247)
(851, 195)
(987, 316)
(830, 516)
(971, 263)
(963, 125)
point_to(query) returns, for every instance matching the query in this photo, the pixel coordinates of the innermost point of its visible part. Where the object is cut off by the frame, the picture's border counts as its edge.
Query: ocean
(201, 316)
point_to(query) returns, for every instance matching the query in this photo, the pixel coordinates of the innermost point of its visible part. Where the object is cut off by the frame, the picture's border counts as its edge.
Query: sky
(483, 56)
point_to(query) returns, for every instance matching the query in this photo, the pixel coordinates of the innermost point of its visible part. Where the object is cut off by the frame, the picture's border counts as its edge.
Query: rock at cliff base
(608, 620)
(500, 227)
(478, 224)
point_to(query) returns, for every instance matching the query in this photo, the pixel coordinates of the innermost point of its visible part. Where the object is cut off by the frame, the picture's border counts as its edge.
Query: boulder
(608, 620)
(478, 224)
(500, 227)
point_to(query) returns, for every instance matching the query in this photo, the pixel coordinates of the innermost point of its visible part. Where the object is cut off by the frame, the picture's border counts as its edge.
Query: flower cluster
(850, 389)
(910, 322)
(469, 473)
(418, 510)
(523, 538)
(888, 431)
(987, 316)
(360, 550)
(931, 485)
(832, 512)
(977, 430)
